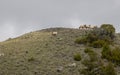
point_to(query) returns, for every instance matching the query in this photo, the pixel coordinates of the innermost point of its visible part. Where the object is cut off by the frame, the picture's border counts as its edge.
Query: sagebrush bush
(98, 43)
(88, 50)
(91, 37)
(108, 70)
(115, 55)
(93, 68)
(109, 29)
(77, 57)
(99, 36)
(91, 53)
(97, 68)
(111, 55)
(106, 52)
(81, 40)
(31, 59)
(90, 66)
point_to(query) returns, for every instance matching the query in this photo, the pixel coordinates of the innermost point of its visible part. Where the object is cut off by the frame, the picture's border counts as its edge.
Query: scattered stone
(60, 39)
(72, 65)
(2, 54)
(59, 69)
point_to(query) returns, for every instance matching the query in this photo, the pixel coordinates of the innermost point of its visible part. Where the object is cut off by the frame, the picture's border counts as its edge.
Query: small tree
(109, 30)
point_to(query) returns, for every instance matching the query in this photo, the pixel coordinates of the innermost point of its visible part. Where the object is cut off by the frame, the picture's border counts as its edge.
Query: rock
(60, 39)
(59, 69)
(72, 65)
(2, 54)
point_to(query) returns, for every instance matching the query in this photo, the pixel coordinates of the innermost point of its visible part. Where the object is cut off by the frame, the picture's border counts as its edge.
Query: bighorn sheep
(87, 27)
(54, 33)
(94, 27)
(81, 27)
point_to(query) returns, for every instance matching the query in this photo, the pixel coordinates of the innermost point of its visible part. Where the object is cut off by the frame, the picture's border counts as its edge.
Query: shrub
(77, 57)
(106, 52)
(115, 55)
(93, 56)
(91, 53)
(88, 50)
(110, 30)
(93, 68)
(82, 40)
(98, 36)
(112, 55)
(108, 70)
(98, 43)
(31, 59)
(91, 37)
(97, 68)
(90, 66)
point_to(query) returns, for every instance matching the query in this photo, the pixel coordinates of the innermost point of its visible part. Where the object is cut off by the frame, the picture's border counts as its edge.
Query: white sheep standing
(54, 33)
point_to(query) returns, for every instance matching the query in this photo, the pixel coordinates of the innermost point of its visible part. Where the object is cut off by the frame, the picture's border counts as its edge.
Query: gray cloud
(20, 16)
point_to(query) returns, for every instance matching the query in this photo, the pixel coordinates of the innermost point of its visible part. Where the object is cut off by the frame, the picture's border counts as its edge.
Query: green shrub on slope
(98, 36)
(77, 57)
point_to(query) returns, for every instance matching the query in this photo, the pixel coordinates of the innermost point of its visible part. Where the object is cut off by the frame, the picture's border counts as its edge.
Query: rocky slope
(41, 53)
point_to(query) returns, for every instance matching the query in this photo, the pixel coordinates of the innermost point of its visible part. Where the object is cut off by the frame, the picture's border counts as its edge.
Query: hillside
(41, 53)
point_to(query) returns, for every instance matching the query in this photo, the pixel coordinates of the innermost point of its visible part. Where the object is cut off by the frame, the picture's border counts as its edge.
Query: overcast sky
(20, 16)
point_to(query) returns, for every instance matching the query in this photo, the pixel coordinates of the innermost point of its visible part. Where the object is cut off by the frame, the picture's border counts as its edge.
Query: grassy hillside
(41, 53)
